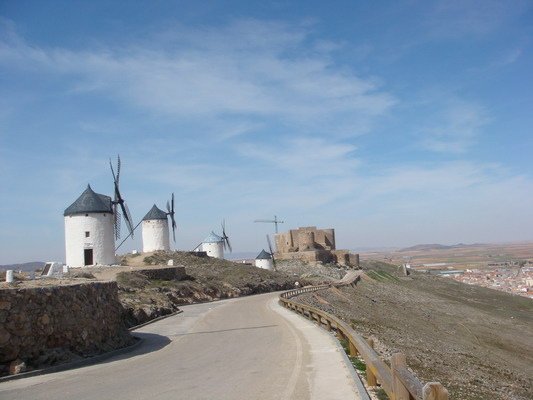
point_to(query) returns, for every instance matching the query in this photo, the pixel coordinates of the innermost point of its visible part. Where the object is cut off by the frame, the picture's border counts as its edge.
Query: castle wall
(306, 240)
(284, 242)
(312, 244)
(329, 238)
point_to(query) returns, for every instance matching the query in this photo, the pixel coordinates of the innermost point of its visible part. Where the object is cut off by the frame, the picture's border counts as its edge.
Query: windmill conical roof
(213, 238)
(90, 202)
(264, 255)
(155, 213)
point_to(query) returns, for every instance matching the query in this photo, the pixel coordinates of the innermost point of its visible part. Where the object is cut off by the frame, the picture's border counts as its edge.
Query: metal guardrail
(397, 380)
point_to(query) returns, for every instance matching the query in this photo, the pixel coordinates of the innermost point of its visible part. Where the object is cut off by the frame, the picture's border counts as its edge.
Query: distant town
(508, 278)
(504, 267)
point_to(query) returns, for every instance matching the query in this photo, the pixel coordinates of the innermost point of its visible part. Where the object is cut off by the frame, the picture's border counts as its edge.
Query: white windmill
(92, 223)
(155, 228)
(215, 245)
(266, 260)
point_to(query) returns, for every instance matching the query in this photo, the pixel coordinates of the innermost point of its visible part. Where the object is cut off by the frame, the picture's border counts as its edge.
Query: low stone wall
(80, 319)
(164, 274)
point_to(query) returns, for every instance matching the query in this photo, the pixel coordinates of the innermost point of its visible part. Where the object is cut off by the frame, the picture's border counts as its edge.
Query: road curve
(246, 348)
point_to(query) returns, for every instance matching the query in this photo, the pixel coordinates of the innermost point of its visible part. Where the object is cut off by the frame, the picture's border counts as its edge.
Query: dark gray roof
(155, 213)
(263, 255)
(90, 202)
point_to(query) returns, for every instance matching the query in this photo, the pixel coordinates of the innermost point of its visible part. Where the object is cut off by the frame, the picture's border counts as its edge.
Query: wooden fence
(398, 382)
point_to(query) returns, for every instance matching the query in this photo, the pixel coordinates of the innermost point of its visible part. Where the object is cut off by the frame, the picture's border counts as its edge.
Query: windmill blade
(118, 169)
(173, 230)
(269, 245)
(271, 252)
(119, 201)
(112, 171)
(116, 216)
(170, 209)
(172, 203)
(118, 198)
(173, 227)
(225, 237)
(229, 245)
(127, 216)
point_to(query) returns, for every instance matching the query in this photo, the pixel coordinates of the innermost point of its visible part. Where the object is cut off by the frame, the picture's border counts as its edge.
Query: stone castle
(312, 245)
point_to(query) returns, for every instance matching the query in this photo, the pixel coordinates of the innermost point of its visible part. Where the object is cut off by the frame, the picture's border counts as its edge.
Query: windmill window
(87, 234)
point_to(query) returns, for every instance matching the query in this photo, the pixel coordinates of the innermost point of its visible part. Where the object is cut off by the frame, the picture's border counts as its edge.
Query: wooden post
(400, 391)
(434, 391)
(353, 350)
(328, 325)
(370, 377)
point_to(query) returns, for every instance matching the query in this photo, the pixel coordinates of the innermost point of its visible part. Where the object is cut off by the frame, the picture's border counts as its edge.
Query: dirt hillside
(478, 342)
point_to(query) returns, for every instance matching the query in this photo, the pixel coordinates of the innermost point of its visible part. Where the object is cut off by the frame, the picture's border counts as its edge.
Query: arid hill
(478, 342)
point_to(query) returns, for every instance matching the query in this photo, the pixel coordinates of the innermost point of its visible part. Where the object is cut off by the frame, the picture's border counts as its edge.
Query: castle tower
(264, 260)
(306, 239)
(213, 245)
(89, 230)
(155, 231)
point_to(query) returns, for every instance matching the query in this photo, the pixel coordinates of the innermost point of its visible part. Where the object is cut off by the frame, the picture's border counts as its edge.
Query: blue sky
(395, 123)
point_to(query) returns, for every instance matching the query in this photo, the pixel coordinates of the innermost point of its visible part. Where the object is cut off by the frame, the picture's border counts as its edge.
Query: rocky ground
(478, 342)
(208, 279)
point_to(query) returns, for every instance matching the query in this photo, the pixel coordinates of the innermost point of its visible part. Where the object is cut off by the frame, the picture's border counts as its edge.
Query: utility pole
(274, 221)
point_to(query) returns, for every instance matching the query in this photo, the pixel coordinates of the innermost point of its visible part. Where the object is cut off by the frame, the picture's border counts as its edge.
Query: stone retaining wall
(163, 273)
(80, 319)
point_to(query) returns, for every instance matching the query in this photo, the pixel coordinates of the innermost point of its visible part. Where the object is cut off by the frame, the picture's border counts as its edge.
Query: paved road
(247, 348)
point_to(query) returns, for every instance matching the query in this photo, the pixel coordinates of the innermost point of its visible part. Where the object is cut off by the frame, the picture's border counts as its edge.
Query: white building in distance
(89, 230)
(213, 245)
(155, 231)
(264, 260)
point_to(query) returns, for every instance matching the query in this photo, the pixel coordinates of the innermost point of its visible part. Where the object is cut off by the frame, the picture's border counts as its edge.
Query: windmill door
(88, 257)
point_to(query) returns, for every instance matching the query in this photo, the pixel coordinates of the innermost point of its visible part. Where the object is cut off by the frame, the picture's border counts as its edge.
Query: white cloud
(250, 67)
(306, 156)
(454, 127)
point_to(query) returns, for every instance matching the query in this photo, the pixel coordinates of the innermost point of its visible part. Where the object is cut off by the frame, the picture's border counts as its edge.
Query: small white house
(89, 230)
(155, 230)
(213, 245)
(264, 260)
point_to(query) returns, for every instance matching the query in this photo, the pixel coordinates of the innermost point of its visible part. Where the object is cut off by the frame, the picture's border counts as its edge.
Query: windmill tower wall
(264, 264)
(86, 232)
(215, 250)
(155, 235)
